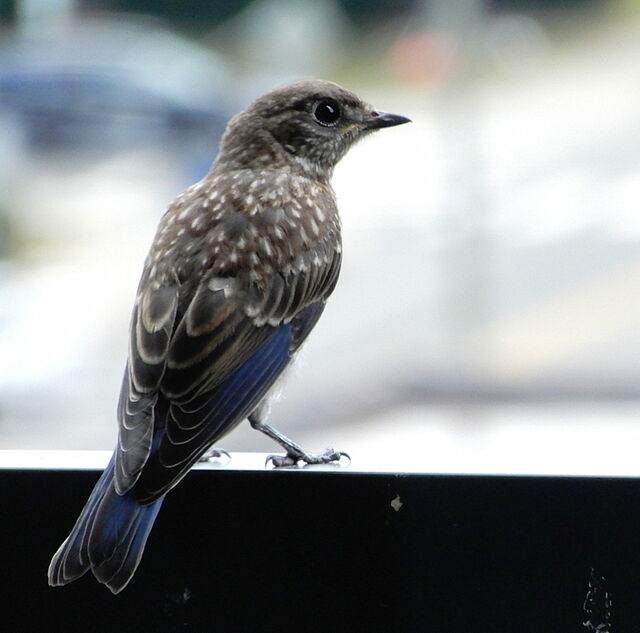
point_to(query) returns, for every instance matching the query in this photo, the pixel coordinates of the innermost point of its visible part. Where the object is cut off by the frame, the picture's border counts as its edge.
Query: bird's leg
(215, 455)
(294, 452)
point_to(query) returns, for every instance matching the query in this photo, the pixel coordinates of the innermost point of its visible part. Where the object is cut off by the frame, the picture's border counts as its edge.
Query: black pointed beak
(379, 120)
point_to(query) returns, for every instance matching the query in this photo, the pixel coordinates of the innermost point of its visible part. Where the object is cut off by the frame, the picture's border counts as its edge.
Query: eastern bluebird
(237, 276)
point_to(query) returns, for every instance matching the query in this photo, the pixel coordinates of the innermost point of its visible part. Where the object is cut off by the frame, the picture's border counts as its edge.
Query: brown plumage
(236, 278)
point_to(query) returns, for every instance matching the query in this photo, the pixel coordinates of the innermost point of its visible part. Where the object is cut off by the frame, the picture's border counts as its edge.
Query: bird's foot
(294, 457)
(294, 452)
(216, 455)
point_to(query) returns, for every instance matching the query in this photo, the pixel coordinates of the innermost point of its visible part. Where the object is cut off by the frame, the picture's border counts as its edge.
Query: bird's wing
(151, 329)
(220, 359)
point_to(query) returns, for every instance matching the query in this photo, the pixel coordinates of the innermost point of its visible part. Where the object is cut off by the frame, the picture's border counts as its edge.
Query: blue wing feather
(189, 431)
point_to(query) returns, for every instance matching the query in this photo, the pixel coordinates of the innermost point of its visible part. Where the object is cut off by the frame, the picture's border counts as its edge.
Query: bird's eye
(326, 112)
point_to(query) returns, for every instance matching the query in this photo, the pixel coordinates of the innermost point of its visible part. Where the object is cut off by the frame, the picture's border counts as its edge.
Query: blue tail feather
(116, 570)
(108, 537)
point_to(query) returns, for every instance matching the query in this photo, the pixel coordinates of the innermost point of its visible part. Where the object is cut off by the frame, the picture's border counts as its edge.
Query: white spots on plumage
(198, 222)
(265, 246)
(315, 229)
(185, 213)
(309, 167)
(220, 234)
(256, 224)
(299, 264)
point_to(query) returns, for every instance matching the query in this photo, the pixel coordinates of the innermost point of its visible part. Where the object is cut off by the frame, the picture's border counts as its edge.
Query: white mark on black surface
(597, 605)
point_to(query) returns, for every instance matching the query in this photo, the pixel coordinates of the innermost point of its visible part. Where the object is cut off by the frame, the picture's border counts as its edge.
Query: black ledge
(241, 549)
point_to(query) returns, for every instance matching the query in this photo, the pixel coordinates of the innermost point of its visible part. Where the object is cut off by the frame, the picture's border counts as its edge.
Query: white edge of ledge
(97, 460)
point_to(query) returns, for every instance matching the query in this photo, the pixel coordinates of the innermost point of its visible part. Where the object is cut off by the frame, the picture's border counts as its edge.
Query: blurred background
(489, 304)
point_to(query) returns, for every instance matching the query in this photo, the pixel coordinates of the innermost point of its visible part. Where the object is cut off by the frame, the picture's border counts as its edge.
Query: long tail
(108, 537)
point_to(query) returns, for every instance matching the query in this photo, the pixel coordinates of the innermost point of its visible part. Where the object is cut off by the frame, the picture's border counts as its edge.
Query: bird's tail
(108, 537)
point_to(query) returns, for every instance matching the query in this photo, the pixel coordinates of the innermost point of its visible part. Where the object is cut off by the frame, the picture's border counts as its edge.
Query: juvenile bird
(237, 276)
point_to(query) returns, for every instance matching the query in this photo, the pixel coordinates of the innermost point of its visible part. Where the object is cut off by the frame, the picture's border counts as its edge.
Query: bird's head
(307, 126)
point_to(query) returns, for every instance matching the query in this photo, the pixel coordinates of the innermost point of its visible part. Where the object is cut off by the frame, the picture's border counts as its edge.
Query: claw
(281, 461)
(342, 454)
(215, 455)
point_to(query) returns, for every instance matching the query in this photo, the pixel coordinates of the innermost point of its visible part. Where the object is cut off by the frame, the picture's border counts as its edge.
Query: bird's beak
(377, 120)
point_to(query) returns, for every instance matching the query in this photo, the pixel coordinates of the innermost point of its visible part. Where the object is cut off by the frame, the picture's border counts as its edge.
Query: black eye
(326, 112)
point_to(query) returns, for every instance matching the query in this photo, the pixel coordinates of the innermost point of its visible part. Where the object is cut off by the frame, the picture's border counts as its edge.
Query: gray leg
(294, 452)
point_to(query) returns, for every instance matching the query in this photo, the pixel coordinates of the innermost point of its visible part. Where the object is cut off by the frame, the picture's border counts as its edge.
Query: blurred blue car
(92, 88)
